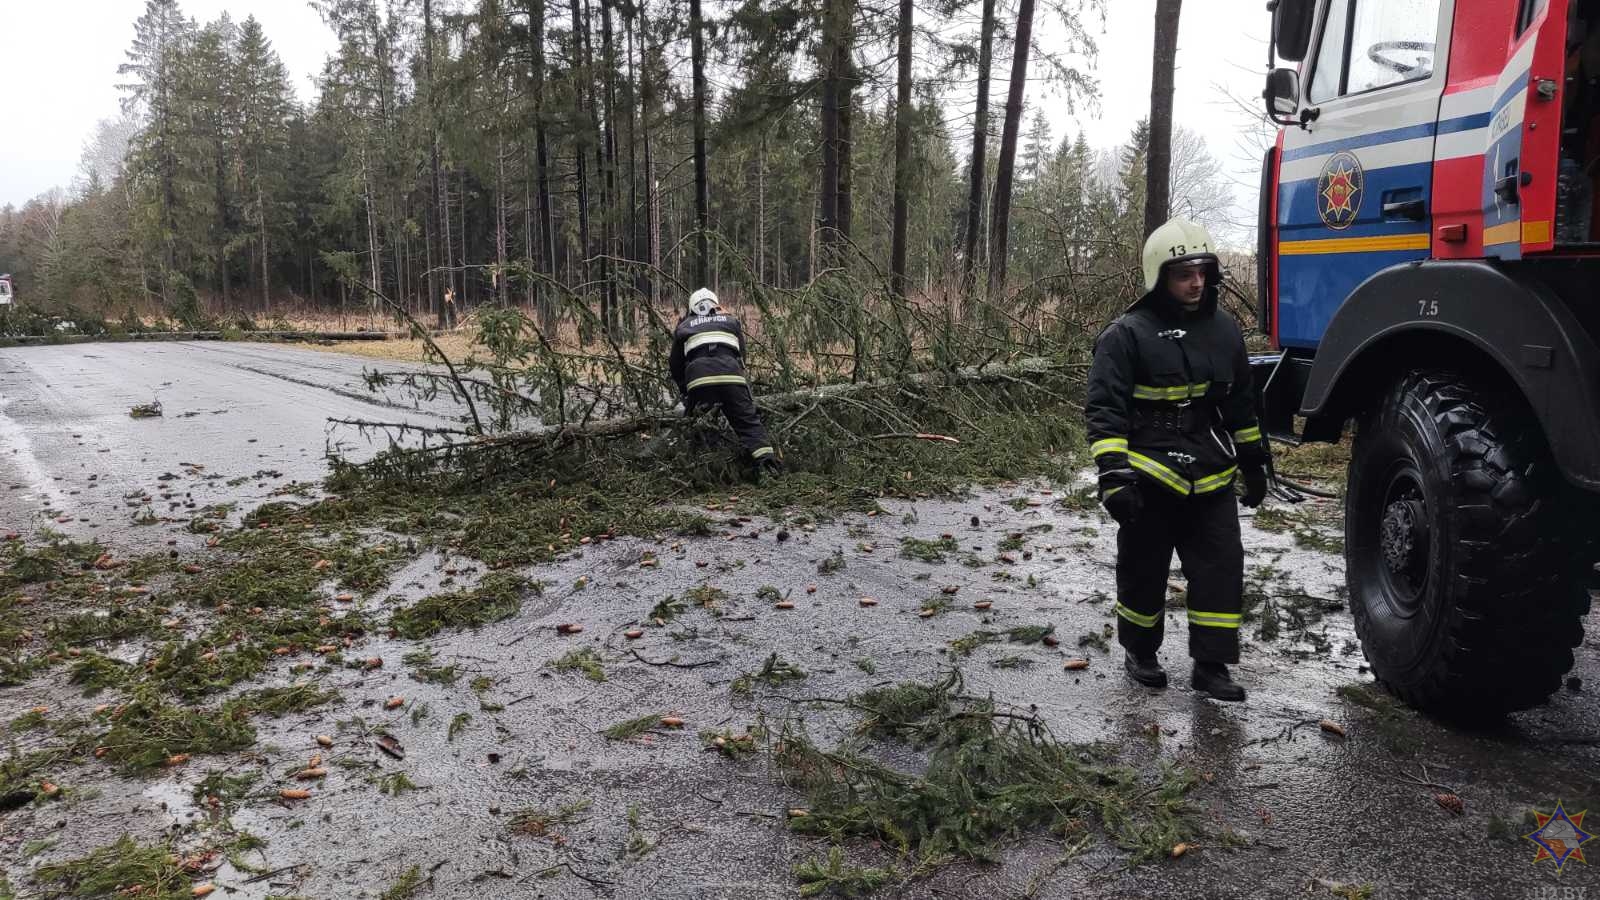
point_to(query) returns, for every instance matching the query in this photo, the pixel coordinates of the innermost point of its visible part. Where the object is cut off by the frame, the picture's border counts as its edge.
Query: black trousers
(739, 407)
(1204, 529)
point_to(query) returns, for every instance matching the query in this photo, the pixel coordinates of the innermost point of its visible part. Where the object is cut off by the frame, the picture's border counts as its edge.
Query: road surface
(239, 421)
(1289, 809)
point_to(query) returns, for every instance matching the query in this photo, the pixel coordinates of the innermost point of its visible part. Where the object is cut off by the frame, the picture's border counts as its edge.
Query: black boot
(1212, 678)
(769, 467)
(1147, 670)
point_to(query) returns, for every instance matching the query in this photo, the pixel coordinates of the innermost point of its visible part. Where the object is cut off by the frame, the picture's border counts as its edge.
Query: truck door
(1523, 152)
(1355, 186)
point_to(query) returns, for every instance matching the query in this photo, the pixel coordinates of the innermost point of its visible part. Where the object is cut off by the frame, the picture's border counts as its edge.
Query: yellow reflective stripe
(1109, 445)
(1214, 619)
(1139, 619)
(1246, 435)
(1215, 482)
(1174, 392)
(711, 337)
(1159, 472)
(1366, 244)
(716, 379)
(1112, 493)
(759, 452)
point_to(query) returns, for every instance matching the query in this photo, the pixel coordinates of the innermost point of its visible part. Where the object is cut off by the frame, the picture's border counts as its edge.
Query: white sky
(58, 63)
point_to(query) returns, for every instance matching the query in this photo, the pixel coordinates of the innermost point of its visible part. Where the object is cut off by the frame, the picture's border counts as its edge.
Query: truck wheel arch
(1468, 315)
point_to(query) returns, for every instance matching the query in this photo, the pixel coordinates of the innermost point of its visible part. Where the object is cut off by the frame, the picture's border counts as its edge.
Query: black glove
(1255, 486)
(1123, 502)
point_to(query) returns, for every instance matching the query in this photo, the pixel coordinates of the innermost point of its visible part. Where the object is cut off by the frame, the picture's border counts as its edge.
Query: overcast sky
(59, 58)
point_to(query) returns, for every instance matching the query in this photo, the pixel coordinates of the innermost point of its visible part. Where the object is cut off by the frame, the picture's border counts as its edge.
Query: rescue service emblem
(1560, 837)
(1340, 189)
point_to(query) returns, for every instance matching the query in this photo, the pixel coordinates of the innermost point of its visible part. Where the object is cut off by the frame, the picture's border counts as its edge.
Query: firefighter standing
(1172, 423)
(707, 363)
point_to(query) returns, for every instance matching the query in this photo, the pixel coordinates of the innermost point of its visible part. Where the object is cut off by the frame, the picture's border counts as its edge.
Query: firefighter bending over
(1172, 423)
(707, 363)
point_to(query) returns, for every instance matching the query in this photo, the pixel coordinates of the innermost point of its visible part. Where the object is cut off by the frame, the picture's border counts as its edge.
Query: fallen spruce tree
(875, 397)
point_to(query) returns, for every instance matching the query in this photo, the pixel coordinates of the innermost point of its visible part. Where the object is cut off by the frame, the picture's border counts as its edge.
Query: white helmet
(703, 302)
(1178, 241)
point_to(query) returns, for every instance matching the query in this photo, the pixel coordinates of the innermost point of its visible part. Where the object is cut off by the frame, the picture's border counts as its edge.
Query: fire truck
(1429, 265)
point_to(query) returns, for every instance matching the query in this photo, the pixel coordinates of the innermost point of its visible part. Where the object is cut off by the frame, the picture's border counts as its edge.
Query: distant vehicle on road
(5, 290)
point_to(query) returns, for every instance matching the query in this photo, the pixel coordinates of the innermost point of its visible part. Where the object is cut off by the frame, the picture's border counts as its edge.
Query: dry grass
(1323, 462)
(455, 344)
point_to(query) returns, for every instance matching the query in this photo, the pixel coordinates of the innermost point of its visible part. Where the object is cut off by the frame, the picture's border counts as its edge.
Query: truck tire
(1468, 573)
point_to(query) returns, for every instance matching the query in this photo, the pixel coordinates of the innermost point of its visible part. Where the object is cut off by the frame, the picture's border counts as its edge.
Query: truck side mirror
(1283, 95)
(1283, 91)
(1291, 27)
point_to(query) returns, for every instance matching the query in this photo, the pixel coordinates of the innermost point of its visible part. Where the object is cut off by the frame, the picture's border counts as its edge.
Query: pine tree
(161, 36)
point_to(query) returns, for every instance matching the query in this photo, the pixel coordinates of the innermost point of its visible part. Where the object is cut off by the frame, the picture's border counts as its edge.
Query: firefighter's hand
(1123, 502)
(1255, 486)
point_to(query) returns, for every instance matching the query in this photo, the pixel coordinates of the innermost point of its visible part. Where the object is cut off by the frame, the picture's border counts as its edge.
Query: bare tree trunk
(372, 222)
(828, 193)
(436, 184)
(546, 258)
(461, 299)
(761, 210)
(902, 154)
(847, 110)
(836, 212)
(632, 249)
(500, 224)
(702, 186)
(651, 189)
(980, 147)
(610, 223)
(261, 222)
(1158, 172)
(1000, 221)
(581, 174)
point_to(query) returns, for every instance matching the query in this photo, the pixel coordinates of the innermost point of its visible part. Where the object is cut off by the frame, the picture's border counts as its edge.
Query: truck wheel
(1468, 573)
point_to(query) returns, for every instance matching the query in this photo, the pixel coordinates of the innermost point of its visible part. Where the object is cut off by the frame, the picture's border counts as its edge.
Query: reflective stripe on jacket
(707, 350)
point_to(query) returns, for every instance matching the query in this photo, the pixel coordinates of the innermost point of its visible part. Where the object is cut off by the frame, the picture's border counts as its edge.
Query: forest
(606, 156)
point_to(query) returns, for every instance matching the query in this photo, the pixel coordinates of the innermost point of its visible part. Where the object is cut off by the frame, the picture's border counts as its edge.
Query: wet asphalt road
(252, 418)
(1310, 812)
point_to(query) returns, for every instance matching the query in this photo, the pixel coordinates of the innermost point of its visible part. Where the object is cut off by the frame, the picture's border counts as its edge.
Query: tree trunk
(501, 289)
(835, 204)
(372, 220)
(633, 163)
(761, 210)
(436, 183)
(261, 222)
(902, 155)
(1158, 172)
(980, 147)
(847, 109)
(581, 142)
(702, 187)
(222, 229)
(828, 193)
(546, 259)
(1000, 219)
(652, 190)
(462, 298)
(610, 222)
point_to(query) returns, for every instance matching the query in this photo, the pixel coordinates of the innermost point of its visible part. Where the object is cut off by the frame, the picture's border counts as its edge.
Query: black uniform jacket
(707, 350)
(1171, 398)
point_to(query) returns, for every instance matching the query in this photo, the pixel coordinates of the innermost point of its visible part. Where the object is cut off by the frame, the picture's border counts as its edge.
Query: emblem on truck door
(1340, 189)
